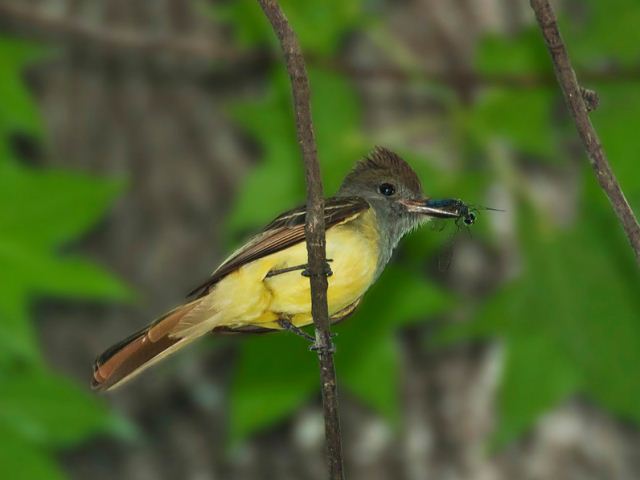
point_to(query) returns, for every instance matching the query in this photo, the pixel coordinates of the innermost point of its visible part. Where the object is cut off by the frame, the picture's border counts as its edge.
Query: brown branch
(574, 96)
(64, 29)
(33, 23)
(315, 231)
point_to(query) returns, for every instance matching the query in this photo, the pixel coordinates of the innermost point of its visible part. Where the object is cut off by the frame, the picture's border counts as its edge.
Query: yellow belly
(248, 297)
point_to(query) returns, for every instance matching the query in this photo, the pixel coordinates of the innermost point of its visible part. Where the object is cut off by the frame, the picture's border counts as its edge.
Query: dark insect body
(453, 208)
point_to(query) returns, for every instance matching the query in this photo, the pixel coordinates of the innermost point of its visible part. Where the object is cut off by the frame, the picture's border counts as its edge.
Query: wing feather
(283, 232)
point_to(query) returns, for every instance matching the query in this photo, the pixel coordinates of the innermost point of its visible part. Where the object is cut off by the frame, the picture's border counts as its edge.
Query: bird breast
(352, 248)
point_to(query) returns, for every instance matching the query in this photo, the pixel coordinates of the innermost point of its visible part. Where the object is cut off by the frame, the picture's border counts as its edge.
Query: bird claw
(331, 348)
(290, 327)
(326, 270)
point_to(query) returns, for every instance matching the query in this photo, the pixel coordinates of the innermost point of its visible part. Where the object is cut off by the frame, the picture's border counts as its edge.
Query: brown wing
(281, 233)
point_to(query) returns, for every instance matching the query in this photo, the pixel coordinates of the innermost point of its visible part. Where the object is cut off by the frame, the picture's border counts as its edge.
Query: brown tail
(134, 354)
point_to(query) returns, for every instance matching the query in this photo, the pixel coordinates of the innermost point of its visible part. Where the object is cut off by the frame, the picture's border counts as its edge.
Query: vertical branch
(314, 228)
(579, 107)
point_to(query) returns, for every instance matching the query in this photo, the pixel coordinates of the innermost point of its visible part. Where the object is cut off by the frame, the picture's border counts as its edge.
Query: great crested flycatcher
(260, 288)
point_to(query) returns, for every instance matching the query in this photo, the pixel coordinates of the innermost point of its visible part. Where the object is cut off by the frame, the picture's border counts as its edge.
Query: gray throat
(392, 225)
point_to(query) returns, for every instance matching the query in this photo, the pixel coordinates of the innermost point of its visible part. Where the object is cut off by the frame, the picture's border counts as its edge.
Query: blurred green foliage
(336, 116)
(569, 322)
(40, 213)
(605, 32)
(321, 26)
(521, 119)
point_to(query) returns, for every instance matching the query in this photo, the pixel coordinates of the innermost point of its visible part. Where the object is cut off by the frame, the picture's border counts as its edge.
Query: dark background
(140, 141)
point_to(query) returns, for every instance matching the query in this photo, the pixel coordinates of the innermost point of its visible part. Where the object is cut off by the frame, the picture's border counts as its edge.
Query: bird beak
(421, 206)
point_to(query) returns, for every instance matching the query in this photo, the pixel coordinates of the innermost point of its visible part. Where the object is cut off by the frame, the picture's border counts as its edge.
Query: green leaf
(570, 324)
(47, 408)
(595, 37)
(320, 25)
(20, 459)
(277, 374)
(41, 212)
(400, 297)
(40, 273)
(17, 336)
(75, 201)
(522, 118)
(18, 112)
(606, 33)
(614, 121)
(277, 183)
(368, 354)
(538, 376)
(522, 55)
(277, 180)
(372, 373)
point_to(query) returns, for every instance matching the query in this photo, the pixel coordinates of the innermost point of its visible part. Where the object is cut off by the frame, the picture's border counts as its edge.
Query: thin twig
(574, 96)
(315, 230)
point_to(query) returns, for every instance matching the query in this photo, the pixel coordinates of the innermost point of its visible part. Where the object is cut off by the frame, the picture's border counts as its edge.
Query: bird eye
(387, 189)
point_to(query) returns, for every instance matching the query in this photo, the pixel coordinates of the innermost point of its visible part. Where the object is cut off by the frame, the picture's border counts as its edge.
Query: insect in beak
(425, 206)
(445, 208)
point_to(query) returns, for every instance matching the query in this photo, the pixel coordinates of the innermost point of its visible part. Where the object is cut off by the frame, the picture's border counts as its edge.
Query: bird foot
(304, 267)
(326, 270)
(290, 327)
(324, 349)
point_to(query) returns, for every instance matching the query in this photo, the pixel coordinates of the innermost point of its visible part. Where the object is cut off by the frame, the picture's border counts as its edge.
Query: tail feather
(131, 356)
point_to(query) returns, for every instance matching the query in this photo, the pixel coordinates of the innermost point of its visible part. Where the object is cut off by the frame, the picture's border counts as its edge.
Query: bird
(261, 286)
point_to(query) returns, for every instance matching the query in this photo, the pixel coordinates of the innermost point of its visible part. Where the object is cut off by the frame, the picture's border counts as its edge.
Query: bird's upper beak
(421, 206)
